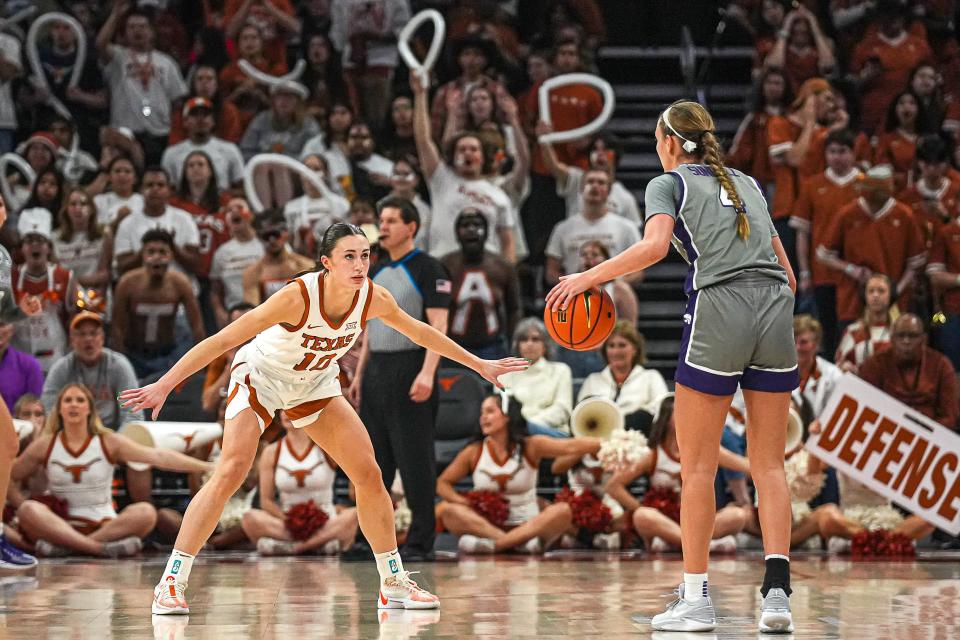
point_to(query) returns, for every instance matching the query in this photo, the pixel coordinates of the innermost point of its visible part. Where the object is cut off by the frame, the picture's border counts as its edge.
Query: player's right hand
(151, 396)
(491, 370)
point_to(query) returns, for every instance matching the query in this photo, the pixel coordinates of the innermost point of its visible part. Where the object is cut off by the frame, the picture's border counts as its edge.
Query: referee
(395, 378)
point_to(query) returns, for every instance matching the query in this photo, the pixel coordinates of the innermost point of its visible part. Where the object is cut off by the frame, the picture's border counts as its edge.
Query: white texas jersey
(666, 470)
(515, 477)
(304, 476)
(83, 478)
(311, 348)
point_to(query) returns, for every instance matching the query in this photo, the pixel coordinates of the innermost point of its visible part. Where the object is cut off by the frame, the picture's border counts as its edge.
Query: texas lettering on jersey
(321, 344)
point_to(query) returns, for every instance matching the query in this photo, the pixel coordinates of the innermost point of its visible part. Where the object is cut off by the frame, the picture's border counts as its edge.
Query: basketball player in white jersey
(10, 556)
(298, 335)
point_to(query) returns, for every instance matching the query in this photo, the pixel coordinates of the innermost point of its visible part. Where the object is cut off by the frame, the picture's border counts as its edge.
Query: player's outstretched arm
(384, 307)
(285, 306)
(651, 250)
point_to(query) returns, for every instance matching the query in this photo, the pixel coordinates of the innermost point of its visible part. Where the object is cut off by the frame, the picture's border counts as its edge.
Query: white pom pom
(622, 450)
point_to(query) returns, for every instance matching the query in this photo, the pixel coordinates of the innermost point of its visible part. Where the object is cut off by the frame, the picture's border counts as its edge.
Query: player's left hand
(421, 388)
(31, 305)
(491, 370)
(568, 287)
(151, 396)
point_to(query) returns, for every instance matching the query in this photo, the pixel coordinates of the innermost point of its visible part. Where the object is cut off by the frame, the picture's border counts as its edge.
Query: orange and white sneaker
(169, 599)
(400, 592)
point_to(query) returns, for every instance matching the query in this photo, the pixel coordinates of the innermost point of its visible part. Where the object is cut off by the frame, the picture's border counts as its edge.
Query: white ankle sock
(694, 586)
(179, 566)
(388, 564)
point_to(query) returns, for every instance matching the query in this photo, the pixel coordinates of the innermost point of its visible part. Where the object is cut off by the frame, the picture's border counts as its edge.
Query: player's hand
(491, 370)
(567, 289)
(421, 388)
(31, 305)
(151, 396)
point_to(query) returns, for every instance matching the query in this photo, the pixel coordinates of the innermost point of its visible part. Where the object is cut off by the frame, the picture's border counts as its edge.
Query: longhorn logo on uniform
(76, 470)
(300, 475)
(501, 478)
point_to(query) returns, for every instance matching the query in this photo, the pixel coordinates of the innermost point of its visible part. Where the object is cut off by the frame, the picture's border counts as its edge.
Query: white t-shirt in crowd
(621, 202)
(315, 213)
(138, 107)
(225, 156)
(81, 255)
(109, 203)
(176, 221)
(229, 261)
(616, 233)
(450, 194)
(10, 52)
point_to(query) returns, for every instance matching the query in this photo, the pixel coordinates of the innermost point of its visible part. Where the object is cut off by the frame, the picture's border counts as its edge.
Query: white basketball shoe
(400, 592)
(169, 598)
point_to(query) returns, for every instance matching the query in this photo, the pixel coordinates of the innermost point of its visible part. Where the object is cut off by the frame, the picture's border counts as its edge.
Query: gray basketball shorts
(739, 332)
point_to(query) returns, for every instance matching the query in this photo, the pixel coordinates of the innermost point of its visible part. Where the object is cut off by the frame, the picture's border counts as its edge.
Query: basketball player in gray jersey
(10, 556)
(738, 331)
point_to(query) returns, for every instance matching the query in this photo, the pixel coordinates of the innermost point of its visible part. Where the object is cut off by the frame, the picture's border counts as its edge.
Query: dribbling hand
(491, 370)
(151, 396)
(567, 289)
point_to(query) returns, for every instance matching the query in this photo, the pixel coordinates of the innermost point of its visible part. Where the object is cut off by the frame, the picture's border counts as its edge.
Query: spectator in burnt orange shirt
(944, 272)
(897, 145)
(801, 49)
(883, 61)
(750, 151)
(814, 217)
(874, 234)
(934, 197)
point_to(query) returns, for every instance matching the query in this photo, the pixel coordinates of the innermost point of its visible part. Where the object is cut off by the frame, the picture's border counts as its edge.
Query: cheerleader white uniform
(515, 477)
(589, 475)
(84, 478)
(294, 367)
(666, 470)
(304, 476)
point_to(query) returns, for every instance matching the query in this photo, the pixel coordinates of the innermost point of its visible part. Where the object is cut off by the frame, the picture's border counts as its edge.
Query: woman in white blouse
(545, 389)
(624, 380)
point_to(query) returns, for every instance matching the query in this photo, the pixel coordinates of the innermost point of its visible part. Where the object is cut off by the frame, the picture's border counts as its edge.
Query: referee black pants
(402, 433)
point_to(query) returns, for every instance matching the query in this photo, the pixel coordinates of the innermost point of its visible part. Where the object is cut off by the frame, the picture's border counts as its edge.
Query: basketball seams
(592, 337)
(586, 338)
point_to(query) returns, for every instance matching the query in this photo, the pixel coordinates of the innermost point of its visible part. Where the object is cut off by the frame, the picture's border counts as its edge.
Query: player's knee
(367, 477)
(231, 472)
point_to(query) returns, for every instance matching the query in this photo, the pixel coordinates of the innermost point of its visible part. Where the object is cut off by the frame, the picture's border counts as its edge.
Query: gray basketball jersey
(705, 232)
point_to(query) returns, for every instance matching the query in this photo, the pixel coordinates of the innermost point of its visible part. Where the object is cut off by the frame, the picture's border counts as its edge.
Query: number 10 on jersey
(322, 363)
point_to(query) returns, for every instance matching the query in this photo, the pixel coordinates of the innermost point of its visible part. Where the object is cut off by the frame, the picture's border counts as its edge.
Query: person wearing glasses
(270, 273)
(915, 374)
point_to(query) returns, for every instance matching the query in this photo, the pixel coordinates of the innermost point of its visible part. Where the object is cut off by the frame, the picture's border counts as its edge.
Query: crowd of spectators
(134, 227)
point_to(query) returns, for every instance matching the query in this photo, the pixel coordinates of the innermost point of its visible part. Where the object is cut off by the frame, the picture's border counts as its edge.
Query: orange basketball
(585, 324)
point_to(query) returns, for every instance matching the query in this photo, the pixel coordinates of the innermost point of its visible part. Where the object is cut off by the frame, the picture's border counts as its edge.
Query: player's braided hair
(692, 123)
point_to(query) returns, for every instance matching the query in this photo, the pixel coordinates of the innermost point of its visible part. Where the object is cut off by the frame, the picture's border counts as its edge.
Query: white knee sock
(694, 586)
(179, 566)
(388, 564)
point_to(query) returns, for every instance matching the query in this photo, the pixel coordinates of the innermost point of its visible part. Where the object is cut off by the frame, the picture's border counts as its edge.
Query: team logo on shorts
(176, 567)
(351, 325)
(687, 318)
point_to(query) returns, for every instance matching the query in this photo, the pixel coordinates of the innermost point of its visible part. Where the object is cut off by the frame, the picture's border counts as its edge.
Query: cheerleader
(506, 462)
(78, 455)
(585, 475)
(658, 524)
(299, 471)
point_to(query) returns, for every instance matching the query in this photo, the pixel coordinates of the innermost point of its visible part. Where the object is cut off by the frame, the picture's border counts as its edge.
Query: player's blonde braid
(713, 158)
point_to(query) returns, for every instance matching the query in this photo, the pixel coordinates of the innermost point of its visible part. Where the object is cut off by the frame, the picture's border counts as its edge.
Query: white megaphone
(596, 417)
(23, 428)
(176, 436)
(794, 430)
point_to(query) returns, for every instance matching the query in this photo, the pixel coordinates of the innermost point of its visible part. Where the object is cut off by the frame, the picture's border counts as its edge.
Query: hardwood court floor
(562, 596)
